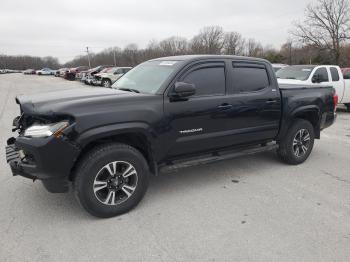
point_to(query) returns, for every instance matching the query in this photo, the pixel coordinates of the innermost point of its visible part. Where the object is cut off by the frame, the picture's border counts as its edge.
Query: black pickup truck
(166, 112)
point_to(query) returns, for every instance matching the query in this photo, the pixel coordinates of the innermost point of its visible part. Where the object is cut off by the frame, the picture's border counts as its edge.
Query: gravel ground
(253, 208)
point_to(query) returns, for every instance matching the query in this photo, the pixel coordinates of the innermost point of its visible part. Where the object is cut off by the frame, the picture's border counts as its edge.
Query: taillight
(335, 101)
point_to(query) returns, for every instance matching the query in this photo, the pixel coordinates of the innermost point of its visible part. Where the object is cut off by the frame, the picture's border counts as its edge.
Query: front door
(199, 122)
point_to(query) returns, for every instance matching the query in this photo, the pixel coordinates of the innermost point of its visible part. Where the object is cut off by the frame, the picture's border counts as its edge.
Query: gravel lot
(249, 209)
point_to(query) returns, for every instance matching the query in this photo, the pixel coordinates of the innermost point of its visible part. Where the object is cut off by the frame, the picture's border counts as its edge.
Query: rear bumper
(327, 120)
(47, 159)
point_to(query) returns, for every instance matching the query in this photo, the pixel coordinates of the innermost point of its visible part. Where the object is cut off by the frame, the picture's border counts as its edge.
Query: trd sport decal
(191, 131)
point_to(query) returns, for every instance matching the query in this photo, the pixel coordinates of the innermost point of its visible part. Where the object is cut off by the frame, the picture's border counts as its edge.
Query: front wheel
(296, 146)
(111, 180)
(106, 83)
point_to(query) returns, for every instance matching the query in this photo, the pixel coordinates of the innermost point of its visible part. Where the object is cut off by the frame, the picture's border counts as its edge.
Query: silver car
(108, 77)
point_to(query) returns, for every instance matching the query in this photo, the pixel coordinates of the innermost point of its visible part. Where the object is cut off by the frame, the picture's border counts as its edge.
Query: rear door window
(334, 74)
(249, 78)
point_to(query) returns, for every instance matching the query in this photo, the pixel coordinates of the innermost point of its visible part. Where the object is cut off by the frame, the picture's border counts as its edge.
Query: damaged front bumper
(47, 159)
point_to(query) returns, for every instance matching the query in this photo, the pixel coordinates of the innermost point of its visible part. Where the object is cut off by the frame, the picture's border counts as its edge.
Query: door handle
(225, 106)
(271, 101)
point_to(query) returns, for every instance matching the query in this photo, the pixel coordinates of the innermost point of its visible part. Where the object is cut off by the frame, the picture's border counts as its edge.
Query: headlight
(55, 129)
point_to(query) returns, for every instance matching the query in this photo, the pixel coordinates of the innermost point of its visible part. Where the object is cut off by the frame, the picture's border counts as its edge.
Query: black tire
(91, 166)
(106, 83)
(289, 145)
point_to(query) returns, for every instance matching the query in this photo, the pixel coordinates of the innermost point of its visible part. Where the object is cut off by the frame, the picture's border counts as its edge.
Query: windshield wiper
(129, 89)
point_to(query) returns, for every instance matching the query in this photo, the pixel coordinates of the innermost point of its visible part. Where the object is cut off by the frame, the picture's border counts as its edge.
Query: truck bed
(292, 86)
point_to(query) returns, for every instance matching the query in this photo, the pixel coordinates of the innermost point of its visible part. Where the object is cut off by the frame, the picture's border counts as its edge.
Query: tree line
(321, 38)
(26, 62)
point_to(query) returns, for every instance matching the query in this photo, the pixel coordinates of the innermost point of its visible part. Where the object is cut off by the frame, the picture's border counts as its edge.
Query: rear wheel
(111, 180)
(297, 144)
(106, 83)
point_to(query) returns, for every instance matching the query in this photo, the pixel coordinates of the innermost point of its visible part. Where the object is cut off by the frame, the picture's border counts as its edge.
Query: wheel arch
(309, 113)
(135, 135)
(106, 78)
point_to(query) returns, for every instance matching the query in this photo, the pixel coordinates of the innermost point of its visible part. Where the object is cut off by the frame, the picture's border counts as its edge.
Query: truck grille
(12, 154)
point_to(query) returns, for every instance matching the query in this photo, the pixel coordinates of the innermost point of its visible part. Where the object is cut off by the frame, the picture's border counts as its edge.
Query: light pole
(88, 54)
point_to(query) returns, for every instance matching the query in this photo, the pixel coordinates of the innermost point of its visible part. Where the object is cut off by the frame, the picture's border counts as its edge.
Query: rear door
(337, 82)
(255, 100)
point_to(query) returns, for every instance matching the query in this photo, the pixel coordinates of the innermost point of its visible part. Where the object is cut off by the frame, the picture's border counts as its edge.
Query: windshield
(147, 77)
(295, 72)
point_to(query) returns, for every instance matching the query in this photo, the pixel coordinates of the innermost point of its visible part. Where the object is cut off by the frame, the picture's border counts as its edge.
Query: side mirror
(316, 79)
(183, 90)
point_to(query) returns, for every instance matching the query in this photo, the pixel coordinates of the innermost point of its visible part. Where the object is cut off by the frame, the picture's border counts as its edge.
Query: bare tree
(210, 40)
(326, 26)
(233, 44)
(174, 46)
(254, 48)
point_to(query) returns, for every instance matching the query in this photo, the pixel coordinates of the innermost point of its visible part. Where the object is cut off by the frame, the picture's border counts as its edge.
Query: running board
(214, 157)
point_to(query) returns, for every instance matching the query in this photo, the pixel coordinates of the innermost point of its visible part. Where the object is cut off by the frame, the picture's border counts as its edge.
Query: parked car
(8, 71)
(165, 112)
(108, 77)
(277, 67)
(71, 73)
(60, 72)
(82, 75)
(45, 71)
(89, 77)
(312, 75)
(29, 72)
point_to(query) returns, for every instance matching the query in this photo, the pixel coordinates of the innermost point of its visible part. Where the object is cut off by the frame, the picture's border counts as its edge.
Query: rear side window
(208, 80)
(323, 74)
(335, 74)
(249, 78)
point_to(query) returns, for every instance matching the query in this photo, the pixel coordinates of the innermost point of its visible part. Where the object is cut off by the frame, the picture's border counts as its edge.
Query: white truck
(313, 75)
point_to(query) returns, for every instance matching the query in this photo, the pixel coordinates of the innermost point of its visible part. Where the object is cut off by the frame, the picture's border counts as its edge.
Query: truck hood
(71, 101)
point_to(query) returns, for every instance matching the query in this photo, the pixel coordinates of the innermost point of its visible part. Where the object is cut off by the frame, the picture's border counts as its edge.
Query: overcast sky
(63, 28)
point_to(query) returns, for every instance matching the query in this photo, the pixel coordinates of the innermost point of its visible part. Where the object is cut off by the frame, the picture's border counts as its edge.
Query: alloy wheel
(106, 84)
(115, 183)
(301, 142)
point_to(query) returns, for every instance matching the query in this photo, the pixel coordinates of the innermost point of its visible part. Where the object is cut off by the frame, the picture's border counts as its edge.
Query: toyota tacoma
(165, 113)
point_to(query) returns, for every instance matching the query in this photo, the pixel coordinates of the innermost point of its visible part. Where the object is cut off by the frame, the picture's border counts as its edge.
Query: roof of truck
(199, 57)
